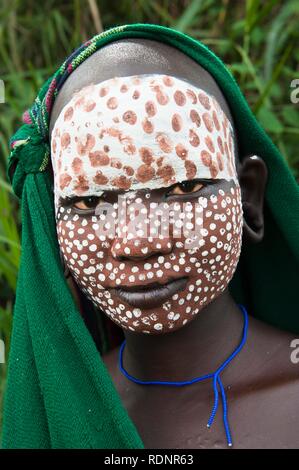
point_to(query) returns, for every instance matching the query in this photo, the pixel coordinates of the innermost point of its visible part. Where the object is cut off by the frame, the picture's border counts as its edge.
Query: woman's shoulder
(262, 385)
(264, 392)
(272, 349)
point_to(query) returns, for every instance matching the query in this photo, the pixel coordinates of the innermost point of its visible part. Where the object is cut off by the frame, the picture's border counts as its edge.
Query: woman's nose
(140, 248)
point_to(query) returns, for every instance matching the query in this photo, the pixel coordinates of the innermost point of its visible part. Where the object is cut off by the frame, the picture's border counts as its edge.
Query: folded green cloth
(59, 393)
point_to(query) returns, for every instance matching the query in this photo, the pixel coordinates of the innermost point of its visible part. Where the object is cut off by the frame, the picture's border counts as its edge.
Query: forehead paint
(139, 132)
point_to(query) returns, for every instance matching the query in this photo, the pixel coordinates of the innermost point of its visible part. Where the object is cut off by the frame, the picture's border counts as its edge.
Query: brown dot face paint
(139, 135)
(139, 132)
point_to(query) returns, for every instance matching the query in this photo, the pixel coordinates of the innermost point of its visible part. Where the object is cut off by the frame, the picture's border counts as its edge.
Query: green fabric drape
(59, 392)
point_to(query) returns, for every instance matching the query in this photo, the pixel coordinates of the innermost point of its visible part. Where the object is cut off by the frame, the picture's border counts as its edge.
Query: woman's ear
(252, 174)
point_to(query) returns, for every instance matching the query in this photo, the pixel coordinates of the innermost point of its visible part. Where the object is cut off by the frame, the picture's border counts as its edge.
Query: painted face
(147, 201)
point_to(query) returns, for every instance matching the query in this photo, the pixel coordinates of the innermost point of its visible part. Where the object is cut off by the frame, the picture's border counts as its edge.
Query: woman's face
(148, 205)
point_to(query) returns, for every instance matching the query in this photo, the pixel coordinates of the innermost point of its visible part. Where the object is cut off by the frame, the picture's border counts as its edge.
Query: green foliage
(256, 39)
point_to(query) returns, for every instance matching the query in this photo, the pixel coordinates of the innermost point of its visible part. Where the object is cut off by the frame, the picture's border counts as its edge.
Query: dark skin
(263, 382)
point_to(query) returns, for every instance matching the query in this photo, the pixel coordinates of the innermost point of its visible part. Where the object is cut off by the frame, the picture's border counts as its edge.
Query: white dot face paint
(137, 257)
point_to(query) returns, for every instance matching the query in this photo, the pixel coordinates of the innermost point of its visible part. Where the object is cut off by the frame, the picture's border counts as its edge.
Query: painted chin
(157, 310)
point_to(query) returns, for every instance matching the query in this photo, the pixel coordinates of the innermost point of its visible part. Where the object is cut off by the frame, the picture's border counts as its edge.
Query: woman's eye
(85, 203)
(186, 187)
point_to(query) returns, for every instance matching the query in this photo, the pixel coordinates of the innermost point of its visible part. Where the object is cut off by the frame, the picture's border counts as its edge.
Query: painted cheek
(209, 266)
(83, 251)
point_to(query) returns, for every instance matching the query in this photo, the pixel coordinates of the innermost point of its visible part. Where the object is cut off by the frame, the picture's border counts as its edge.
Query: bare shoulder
(272, 349)
(264, 397)
(262, 385)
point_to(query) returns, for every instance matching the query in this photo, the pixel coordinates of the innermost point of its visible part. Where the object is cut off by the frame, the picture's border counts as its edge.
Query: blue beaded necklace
(215, 375)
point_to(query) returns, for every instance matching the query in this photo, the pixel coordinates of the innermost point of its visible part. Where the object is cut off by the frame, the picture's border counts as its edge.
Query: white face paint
(136, 132)
(141, 134)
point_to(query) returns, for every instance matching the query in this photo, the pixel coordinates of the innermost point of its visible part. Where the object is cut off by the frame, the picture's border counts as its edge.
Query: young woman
(142, 169)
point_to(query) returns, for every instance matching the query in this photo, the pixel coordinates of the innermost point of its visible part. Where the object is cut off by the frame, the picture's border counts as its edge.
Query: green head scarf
(59, 392)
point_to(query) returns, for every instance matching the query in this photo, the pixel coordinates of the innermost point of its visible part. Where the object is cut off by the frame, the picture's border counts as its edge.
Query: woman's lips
(150, 295)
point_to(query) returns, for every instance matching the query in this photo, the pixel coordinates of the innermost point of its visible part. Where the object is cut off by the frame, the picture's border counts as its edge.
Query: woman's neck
(194, 350)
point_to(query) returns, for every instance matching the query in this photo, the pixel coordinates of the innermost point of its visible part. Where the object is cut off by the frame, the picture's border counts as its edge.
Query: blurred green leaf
(291, 115)
(279, 23)
(189, 16)
(269, 121)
